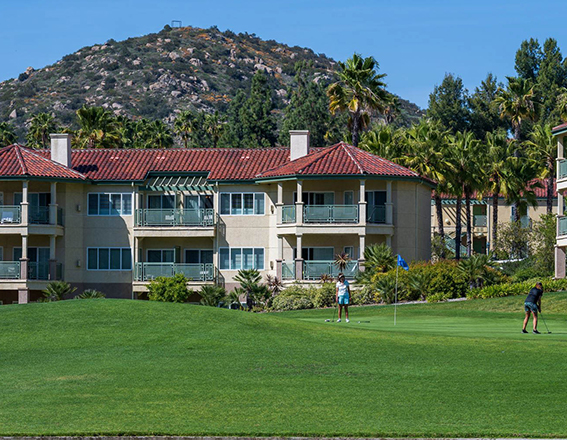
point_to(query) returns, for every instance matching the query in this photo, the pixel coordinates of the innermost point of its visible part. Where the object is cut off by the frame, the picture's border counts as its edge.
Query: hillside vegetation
(138, 367)
(158, 75)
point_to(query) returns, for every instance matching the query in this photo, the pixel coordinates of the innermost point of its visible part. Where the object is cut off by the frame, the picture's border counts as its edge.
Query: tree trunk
(355, 129)
(469, 223)
(458, 229)
(550, 182)
(440, 227)
(494, 220)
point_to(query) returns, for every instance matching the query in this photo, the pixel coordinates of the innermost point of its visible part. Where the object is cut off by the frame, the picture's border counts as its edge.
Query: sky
(415, 42)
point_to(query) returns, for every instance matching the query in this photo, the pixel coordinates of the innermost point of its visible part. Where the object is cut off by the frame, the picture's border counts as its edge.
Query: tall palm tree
(427, 155)
(542, 148)
(183, 126)
(384, 141)
(98, 128)
(499, 171)
(158, 135)
(214, 127)
(463, 154)
(359, 90)
(41, 125)
(518, 102)
(7, 134)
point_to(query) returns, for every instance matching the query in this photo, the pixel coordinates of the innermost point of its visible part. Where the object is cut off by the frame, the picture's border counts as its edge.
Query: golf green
(133, 367)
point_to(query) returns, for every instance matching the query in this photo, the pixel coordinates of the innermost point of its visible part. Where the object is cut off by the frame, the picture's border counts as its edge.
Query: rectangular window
(241, 258)
(242, 204)
(203, 256)
(112, 204)
(349, 198)
(109, 259)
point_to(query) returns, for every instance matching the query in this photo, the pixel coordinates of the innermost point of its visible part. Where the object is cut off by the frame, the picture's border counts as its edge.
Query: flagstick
(396, 295)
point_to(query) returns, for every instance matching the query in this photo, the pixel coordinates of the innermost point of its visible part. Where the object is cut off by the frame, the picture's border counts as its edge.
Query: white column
(299, 259)
(24, 259)
(24, 246)
(559, 262)
(280, 247)
(389, 204)
(299, 204)
(279, 203)
(53, 204)
(362, 203)
(136, 206)
(25, 204)
(361, 246)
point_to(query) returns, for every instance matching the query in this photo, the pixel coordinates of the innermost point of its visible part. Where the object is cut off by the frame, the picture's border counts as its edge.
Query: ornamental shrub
(293, 298)
(169, 289)
(57, 291)
(511, 289)
(324, 296)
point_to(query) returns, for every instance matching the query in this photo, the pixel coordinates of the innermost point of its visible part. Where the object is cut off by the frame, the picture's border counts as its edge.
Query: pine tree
(551, 78)
(258, 124)
(308, 108)
(528, 59)
(448, 104)
(232, 134)
(485, 116)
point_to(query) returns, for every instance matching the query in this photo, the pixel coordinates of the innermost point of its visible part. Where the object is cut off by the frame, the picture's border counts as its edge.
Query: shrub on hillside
(90, 294)
(169, 289)
(511, 289)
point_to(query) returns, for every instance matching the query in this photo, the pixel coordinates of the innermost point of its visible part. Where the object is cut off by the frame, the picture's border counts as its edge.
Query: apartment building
(482, 218)
(113, 220)
(561, 243)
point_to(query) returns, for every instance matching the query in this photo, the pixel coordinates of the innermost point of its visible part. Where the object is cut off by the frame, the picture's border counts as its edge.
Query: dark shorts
(530, 307)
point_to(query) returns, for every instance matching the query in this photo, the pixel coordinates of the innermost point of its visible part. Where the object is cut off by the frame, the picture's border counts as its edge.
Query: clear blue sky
(416, 41)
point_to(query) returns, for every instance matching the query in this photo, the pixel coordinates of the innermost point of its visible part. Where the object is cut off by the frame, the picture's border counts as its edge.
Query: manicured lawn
(135, 367)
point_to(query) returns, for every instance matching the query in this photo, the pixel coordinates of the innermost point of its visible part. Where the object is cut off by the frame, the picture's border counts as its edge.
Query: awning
(454, 202)
(177, 183)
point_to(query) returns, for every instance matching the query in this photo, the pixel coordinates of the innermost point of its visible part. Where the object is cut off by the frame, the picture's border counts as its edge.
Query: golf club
(548, 332)
(363, 322)
(334, 311)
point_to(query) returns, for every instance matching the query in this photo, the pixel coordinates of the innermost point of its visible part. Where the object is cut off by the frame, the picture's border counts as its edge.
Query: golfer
(531, 305)
(343, 295)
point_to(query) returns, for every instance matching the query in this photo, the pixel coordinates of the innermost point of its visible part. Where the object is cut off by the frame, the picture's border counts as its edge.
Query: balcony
(9, 270)
(330, 214)
(376, 214)
(561, 226)
(10, 214)
(288, 214)
(175, 217)
(479, 221)
(193, 272)
(313, 269)
(562, 169)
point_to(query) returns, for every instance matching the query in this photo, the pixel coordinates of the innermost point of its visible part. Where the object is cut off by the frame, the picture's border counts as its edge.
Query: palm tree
(499, 171)
(158, 135)
(41, 125)
(518, 102)
(183, 126)
(427, 155)
(359, 91)
(7, 135)
(98, 128)
(543, 150)
(384, 141)
(214, 127)
(464, 150)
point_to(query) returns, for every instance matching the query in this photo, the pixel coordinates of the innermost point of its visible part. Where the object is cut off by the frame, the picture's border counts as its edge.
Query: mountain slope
(158, 75)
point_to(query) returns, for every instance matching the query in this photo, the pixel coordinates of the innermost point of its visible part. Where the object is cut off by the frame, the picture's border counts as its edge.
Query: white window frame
(110, 214)
(241, 252)
(306, 194)
(161, 250)
(109, 269)
(313, 247)
(241, 194)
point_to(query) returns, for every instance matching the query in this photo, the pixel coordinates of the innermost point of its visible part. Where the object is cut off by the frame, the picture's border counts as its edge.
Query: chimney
(299, 143)
(61, 148)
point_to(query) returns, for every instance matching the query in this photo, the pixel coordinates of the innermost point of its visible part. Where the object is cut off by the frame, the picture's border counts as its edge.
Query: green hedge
(511, 289)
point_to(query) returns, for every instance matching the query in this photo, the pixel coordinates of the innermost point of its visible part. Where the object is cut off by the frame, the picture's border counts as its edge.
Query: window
(316, 198)
(241, 258)
(109, 259)
(109, 204)
(203, 201)
(316, 253)
(1, 253)
(198, 256)
(161, 201)
(375, 198)
(161, 255)
(349, 250)
(349, 197)
(242, 204)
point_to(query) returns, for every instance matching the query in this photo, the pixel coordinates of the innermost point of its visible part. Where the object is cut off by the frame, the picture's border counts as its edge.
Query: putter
(334, 311)
(548, 332)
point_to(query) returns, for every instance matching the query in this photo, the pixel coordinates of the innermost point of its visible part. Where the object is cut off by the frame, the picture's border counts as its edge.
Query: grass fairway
(135, 367)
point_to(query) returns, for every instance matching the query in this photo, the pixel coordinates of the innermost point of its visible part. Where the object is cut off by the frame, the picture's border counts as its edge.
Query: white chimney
(299, 143)
(61, 148)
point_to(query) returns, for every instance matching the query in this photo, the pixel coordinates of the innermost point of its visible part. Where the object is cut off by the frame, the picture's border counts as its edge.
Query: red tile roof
(221, 164)
(19, 161)
(559, 128)
(339, 159)
(540, 191)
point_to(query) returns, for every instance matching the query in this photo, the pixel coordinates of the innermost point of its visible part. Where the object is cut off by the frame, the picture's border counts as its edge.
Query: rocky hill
(158, 75)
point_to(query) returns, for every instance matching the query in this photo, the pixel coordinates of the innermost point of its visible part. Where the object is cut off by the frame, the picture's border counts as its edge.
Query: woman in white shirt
(343, 295)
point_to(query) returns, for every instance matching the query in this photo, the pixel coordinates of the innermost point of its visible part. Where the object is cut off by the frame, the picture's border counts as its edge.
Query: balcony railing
(562, 168)
(562, 226)
(38, 215)
(60, 216)
(313, 269)
(10, 214)
(193, 272)
(376, 214)
(9, 270)
(330, 214)
(175, 217)
(479, 220)
(288, 271)
(288, 214)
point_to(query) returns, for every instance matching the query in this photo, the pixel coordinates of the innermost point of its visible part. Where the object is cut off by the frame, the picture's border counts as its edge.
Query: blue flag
(402, 262)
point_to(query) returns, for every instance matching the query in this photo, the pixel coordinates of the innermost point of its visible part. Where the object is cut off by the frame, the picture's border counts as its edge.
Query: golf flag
(402, 262)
